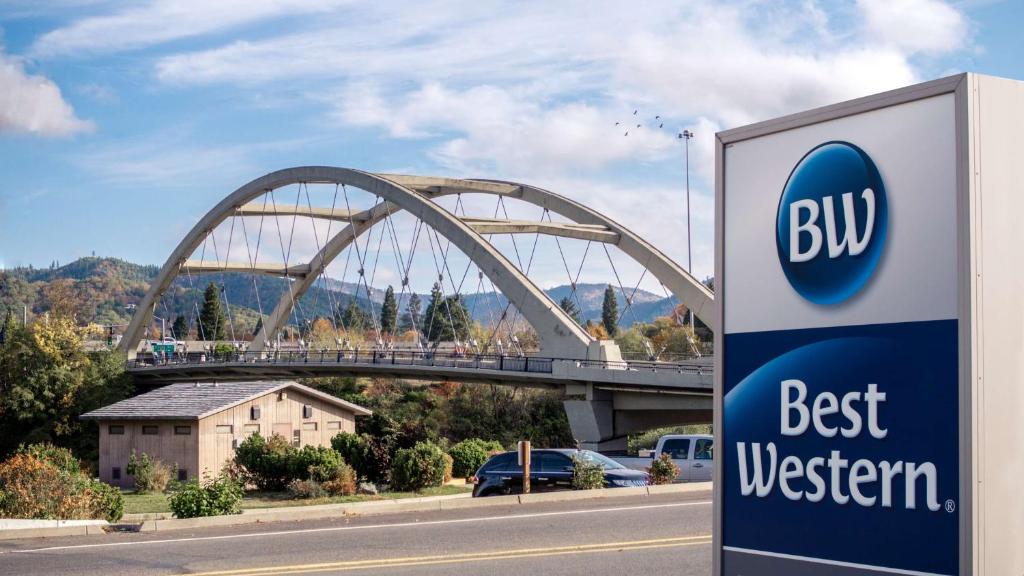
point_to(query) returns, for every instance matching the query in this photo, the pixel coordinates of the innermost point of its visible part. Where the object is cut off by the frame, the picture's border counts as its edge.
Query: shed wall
(282, 415)
(172, 449)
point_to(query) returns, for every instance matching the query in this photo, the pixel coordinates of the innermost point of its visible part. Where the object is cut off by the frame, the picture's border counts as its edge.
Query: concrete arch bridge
(606, 396)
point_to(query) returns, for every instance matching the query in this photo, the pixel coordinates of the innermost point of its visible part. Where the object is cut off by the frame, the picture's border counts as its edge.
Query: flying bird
(634, 112)
(662, 125)
(627, 133)
(637, 125)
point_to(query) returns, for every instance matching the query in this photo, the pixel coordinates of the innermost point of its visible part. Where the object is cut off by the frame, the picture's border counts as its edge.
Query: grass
(155, 503)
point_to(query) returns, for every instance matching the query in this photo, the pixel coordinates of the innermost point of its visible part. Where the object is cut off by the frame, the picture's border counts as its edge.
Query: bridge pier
(602, 418)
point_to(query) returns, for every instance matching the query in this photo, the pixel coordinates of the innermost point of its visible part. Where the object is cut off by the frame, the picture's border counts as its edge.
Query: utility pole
(685, 135)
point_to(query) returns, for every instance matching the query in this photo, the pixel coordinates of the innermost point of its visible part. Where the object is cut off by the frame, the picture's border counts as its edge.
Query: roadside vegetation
(44, 482)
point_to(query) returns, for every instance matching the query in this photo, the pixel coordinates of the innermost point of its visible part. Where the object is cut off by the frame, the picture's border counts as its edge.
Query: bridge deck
(693, 377)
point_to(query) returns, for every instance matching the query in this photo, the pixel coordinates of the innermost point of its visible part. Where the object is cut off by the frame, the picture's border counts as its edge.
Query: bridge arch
(559, 335)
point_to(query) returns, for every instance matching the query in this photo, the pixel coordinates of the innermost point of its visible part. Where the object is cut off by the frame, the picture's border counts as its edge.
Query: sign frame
(960, 86)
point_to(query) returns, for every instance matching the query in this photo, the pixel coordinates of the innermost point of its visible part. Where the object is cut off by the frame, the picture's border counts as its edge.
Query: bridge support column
(592, 419)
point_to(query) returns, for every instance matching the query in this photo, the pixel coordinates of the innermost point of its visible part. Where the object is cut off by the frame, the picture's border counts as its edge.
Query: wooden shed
(197, 426)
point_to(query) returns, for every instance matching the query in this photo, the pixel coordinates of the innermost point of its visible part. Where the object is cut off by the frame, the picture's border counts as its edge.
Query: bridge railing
(503, 363)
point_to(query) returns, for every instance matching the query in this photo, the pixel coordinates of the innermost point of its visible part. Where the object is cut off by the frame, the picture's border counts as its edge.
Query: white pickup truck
(693, 453)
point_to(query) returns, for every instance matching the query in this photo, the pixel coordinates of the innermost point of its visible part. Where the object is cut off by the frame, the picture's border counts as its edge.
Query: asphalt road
(653, 535)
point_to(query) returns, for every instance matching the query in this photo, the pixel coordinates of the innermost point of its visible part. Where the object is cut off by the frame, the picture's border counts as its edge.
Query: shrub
(266, 463)
(36, 488)
(663, 470)
(469, 455)
(215, 497)
(343, 483)
(586, 475)
(62, 458)
(306, 489)
(150, 474)
(419, 467)
(449, 463)
(315, 462)
(370, 456)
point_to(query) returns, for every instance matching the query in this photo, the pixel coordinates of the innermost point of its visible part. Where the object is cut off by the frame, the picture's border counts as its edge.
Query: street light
(685, 135)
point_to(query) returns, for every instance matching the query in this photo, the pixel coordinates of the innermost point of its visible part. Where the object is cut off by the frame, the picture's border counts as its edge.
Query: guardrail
(502, 363)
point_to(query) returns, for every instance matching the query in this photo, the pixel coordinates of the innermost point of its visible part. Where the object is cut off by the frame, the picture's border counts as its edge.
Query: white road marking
(368, 527)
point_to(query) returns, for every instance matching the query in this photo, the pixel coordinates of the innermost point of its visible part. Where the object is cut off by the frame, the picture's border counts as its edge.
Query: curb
(372, 508)
(431, 503)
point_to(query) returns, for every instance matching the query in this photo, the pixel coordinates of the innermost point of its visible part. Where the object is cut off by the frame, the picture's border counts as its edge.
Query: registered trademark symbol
(950, 506)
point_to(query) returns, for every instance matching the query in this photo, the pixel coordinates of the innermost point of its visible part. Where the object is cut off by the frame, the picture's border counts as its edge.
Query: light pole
(685, 135)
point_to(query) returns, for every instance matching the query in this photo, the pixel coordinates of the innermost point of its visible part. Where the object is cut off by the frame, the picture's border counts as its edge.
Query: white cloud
(162, 21)
(917, 26)
(33, 104)
(497, 130)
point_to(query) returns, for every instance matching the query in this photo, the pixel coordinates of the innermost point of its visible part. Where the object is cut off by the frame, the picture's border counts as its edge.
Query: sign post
(868, 282)
(524, 461)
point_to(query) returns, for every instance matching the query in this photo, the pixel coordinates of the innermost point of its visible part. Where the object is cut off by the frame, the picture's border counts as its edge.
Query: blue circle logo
(831, 223)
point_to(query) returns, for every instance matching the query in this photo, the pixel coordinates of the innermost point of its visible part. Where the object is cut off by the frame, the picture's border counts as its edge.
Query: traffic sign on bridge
(866, 290)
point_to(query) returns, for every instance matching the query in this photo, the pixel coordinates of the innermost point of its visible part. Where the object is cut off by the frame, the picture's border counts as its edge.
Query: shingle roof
(192, 401)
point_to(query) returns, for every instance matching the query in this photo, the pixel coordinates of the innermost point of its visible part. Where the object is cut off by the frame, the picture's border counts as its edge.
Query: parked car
(693, 453)
(550, 470)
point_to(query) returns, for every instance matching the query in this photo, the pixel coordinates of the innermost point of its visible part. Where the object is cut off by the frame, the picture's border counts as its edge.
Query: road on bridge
(666, 534)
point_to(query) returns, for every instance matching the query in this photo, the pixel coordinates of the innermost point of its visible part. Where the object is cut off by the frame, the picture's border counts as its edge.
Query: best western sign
(849, 328)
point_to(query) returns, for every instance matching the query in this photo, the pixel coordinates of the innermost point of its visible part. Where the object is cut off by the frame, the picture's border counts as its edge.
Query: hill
(103, 288)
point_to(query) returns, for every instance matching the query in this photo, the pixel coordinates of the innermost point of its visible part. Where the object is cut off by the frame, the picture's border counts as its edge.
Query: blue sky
(121, 124)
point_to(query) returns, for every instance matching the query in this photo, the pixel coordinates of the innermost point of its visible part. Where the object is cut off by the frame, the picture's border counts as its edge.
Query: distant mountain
(105, 287)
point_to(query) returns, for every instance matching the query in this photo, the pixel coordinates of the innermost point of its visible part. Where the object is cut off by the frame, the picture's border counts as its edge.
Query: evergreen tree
(429, 315)
(411, 317)
(211, 318)
(451, 318)
(389, 311)
(570, 308)
(352, 316)
(180, 328)
(610, 312)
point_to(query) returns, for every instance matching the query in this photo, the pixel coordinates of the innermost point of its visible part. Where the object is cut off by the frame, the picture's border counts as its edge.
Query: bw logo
(831, 222)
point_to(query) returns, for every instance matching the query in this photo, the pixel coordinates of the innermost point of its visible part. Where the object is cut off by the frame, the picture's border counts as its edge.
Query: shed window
(307, 411)
(225, 429)
(115, 473)
(296, 438)
(254, 413)
(116, 429)
(182, 430)
(251, 429)
(182, 474)
(309, 425)
(334, 425)
(150, 430)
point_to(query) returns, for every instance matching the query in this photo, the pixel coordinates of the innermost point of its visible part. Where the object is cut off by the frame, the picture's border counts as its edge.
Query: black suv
(549, 470)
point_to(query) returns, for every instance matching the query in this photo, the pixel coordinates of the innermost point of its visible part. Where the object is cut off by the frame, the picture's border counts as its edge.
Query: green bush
(215, 497)
(469, 455)
(62, 458)
(369, 455)
(663, 470)
(37, 488)
(586, 475)
(316, 462)
(273, 464)
(419, 467)
(266, 463)
(150, 474)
